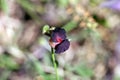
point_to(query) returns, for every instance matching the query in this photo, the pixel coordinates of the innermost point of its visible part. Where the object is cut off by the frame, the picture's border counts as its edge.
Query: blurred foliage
(29, 8)
(62, 3)
(8, 62)
(100, 20)
(70, 26)
(5, 74)
(4, 6)
(83, 71)
(95, 2)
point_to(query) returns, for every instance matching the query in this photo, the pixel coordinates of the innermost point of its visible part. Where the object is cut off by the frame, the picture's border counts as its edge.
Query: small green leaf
(45, 29)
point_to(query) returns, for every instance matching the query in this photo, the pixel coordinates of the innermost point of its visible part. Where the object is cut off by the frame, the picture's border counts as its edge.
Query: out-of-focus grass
(70, 26)
(83, 71)
(62, 3)
(116, 77)
(5, 74)
(100, 20)
(36, 64)
(4, 6)
(95, 2)
(29, 8)
(8, 62)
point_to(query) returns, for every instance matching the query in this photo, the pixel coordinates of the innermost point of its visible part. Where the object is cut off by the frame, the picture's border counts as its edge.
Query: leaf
(45, 29)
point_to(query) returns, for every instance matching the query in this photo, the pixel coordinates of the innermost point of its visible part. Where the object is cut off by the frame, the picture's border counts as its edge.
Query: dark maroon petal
(62, 47)
(58, 33)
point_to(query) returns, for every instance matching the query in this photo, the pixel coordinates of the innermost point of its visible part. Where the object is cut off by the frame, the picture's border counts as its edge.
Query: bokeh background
(93, 27)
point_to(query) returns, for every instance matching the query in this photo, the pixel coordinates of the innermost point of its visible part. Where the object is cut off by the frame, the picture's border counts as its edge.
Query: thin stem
(54, 63)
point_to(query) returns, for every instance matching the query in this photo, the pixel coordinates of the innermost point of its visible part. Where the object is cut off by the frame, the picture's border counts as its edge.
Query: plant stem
(54, 63)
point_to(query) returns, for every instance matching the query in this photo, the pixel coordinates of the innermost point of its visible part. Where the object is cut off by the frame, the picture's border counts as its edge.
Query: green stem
(54, 63)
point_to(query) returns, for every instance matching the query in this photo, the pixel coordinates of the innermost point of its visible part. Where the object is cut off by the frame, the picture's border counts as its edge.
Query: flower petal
(63, 46)
(58, 35)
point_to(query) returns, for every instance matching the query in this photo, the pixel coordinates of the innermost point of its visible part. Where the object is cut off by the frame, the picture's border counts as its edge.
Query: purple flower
(58, 35)
(58, 40)
(63, 46)
(112, 4)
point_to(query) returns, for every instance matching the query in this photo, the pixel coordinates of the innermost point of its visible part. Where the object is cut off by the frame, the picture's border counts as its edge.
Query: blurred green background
(93, 32)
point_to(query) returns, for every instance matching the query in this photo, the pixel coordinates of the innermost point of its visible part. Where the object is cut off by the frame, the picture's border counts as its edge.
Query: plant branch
(54, 63)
